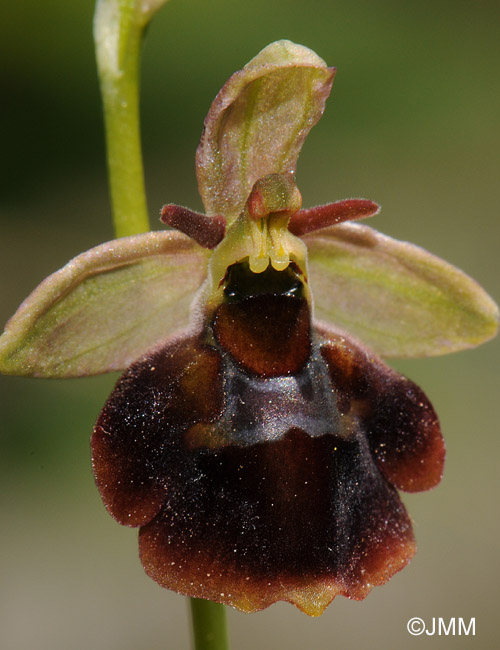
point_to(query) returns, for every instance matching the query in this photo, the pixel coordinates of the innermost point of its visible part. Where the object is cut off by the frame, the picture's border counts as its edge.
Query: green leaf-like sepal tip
(258, 122)
(105, 308)
(396, 297)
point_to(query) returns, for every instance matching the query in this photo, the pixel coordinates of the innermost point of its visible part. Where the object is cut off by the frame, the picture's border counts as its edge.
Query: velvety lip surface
(233, 514)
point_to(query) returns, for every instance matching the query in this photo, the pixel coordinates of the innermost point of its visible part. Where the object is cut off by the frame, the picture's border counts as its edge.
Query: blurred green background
(413, 123)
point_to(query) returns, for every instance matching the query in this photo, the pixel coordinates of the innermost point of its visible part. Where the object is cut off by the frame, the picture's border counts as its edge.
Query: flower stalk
(209, 625)
(118, 30)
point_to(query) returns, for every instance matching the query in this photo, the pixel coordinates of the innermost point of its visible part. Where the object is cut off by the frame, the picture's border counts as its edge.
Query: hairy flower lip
(210, 491)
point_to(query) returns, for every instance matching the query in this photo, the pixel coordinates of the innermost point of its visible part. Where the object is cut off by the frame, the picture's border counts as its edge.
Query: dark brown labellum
(261, 458)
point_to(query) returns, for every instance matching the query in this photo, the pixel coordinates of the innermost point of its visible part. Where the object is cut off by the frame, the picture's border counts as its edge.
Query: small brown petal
(206, 231)
(323, 216)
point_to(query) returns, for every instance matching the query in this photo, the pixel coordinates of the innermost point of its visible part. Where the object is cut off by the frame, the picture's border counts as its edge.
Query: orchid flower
(256, 437)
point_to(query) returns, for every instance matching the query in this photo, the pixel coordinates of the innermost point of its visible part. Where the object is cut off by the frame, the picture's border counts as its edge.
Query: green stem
(118, 29)
(209, 625)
